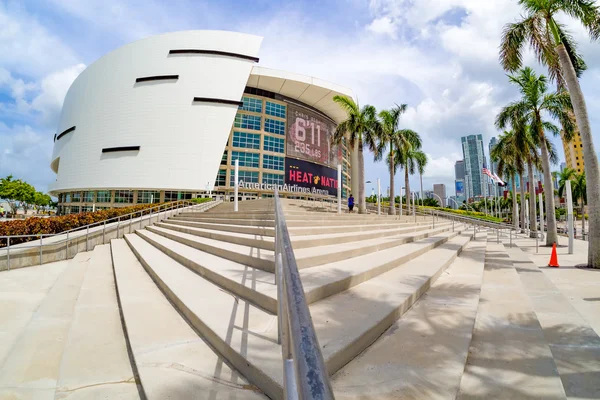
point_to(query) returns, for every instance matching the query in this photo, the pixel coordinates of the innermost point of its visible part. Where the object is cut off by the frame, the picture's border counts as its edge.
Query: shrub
(200, 200)
(52, 225)
(466, 213)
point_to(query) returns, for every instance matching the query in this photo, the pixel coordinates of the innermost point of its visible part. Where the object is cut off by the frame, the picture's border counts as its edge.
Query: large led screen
(309, 137)
(315, 178)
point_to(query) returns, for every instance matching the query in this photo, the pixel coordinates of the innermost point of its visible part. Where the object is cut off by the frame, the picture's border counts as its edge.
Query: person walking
(2, 212)
(350, 203)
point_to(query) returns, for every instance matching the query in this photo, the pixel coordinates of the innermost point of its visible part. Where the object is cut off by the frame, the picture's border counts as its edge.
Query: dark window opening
(124, 148)
(214, 53)
(157, 78)
(63, 133)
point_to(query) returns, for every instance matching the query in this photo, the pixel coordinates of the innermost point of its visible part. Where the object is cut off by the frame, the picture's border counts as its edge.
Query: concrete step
(244, 334)
(221, 221)
(31, 367)
(574, 344)
(349, 322)
(171, 359)
(311, 257)
(251, 256)
(509, 357)
(246, 239)
(22, 291)
(423, 354)
(251, 230)
(258, 287)
(254, 285)
(298, 241)
(95, 362)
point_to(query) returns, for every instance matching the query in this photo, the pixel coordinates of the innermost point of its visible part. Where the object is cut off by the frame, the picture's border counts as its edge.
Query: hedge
(473, 214)
(52, 225)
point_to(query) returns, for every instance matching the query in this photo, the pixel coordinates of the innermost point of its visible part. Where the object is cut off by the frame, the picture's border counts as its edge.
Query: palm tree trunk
(362, 201)
(551, 235)
(407, 190)
(592, 172)
(392, 210)
(532, 202)
(522, 210)
(421, 178)
(515, 217)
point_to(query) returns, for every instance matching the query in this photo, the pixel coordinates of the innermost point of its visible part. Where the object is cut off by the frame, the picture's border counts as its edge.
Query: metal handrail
(305, 373)
(165, 207)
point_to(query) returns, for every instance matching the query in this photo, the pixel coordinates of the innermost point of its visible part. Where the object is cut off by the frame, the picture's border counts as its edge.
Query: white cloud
(385, 26)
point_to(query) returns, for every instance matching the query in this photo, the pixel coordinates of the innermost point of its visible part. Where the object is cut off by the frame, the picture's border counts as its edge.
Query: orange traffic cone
(553, 258)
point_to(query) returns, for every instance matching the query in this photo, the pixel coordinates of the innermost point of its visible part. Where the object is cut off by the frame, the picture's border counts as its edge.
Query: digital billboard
(460, 187)
(309, 137)
(315, 178)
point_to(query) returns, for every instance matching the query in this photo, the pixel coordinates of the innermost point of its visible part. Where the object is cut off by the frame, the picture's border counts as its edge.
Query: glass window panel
(221, 178)
(75, 197)
(246, 159)
(274, 144)
(246, 176)
(251, 104)
(224, 158)
(274, 126)
(88, 197)
(148, 196)
(246, 140)
(124, 196)
(245, 121)
(272, 178)
(172, 195)
(103, 196)
(274, 109)
(273, 162)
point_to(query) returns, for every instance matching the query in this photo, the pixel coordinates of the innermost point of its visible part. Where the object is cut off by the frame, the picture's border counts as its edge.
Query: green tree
(16, 192)
(421, 165)
(555, 48)
(578, 189)
(528, 111)
(361, 129)
(507, 154)
(41, 200)
(412, 157)
(429, 202)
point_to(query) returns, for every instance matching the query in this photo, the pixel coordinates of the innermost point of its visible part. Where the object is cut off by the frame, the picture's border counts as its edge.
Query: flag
(487, 172)
(498, 180)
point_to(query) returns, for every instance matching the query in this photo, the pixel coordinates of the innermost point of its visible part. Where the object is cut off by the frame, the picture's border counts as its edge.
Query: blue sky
(438, 56)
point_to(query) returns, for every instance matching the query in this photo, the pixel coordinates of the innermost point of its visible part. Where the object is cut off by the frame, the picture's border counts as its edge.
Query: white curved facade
(177, 142)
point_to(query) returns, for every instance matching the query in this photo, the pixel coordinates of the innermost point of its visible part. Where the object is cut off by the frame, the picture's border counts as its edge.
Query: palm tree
(413, 157)
(396, 139)
(421, 164)
(534, 102)
(361, 128)
(556, 49)
(510, 163)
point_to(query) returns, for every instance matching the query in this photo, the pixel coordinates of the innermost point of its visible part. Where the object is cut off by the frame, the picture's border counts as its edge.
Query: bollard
(8, 253)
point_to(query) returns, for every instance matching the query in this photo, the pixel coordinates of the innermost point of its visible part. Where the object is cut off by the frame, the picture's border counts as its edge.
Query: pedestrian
(350, 203)
(1, 212)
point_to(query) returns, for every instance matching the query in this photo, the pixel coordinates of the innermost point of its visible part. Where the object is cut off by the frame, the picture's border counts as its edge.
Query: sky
(438, 56)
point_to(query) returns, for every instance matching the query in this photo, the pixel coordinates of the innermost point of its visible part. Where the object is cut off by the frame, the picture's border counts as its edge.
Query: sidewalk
(580, 286)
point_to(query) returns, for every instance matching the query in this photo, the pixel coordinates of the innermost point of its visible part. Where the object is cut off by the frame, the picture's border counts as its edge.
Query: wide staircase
(403, 308)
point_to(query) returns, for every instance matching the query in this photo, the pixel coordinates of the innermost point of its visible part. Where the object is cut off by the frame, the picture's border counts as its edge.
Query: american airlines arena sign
(282, 188)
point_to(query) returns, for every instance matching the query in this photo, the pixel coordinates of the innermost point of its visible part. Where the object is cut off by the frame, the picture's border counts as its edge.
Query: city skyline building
(574, 152)
(475, 160)
(459, 181)
(440, 190)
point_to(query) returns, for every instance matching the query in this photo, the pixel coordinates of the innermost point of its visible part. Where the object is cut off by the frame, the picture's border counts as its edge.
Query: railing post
(118, 224)
(104, 232)
(67, 250)
(497, 236)
(130, 221)
(41, 237)
(8, 253)
(150, 222)
(87, 237)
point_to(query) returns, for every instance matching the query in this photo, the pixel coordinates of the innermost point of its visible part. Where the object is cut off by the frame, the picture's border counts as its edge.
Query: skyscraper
(440, 190)
(493, 165)
(474, 159)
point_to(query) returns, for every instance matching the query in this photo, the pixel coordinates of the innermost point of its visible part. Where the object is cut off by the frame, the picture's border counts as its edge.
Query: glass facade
(221, 178)
(246, 121)
(246, 159)
(252, 104)
(103, 196)
(124, 196)
(275, 109)
(172, 195)
(272, 178)
(75, 197)
(274, 126)
(88, 197)
(148, 196)
(273, 162)
(246, 176)
(246, 140)
(274, 144)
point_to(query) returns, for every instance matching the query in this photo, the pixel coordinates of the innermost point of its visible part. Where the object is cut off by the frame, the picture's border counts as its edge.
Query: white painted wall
(181, 144)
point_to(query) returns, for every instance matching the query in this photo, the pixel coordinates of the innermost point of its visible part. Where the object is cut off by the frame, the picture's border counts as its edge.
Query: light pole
(457, 206)
(441, 202)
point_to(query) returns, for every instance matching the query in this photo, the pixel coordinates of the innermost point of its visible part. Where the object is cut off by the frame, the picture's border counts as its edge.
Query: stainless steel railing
(45, 240)
(305, 374)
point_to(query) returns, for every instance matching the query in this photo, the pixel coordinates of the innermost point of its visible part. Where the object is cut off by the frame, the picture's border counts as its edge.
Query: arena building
(165, 118)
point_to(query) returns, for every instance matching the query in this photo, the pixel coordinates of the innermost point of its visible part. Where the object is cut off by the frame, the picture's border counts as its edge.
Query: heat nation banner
(314, 177)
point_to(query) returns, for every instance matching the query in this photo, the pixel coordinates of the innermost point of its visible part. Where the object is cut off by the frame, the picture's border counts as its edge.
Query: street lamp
(457, 206)
(441, 202)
